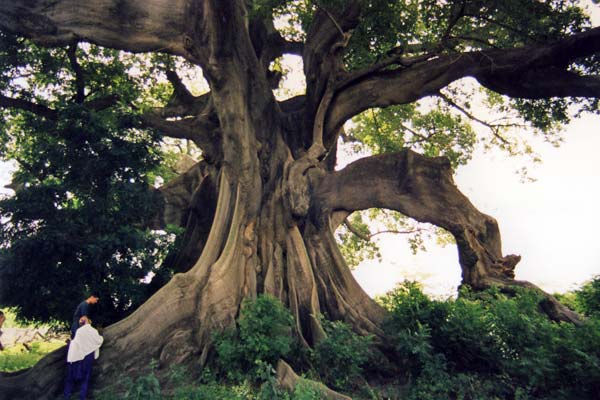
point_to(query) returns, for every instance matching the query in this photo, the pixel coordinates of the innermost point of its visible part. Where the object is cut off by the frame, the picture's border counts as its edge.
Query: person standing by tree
(2, 319)
(83, 350)
(83, 310)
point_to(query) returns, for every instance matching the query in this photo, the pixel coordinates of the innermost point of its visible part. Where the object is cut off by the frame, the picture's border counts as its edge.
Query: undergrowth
(484, 345)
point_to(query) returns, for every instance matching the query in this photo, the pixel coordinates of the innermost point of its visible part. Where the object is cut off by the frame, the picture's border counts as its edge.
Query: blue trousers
(79, 372)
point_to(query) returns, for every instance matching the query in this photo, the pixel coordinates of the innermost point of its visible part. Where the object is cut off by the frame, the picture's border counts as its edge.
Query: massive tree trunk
(266, 187)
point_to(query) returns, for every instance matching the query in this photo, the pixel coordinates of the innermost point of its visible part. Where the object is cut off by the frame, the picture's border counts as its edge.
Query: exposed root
(288, 379)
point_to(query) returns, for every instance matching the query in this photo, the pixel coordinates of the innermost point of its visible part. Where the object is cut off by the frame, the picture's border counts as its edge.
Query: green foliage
(263, 336)
(180, 385)
(490, 346)
(306, 390)
(588, 297)
(146, 387)
(585, 300)
(434, 133)
(11, 318)
(342, 355)
(83, 195)
(355, 248)
(357, 236)
(421, 26)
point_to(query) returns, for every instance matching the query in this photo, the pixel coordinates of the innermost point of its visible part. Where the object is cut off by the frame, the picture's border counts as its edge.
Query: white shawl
(87, 340)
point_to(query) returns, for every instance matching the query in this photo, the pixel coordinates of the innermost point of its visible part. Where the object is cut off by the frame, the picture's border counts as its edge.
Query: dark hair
(91, 293)
(1, 312)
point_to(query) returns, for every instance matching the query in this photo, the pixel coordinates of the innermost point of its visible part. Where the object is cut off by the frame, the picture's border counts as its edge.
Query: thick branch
(532, 72)
(134, 25)
(78, 71)
(295, 48)
(25, 105)
(543, 83)
(200, 105)
(181, 94)
(325, 31)
(268, 42)
(323, 63)
(422, 188)
(98, 104)
(102, 103)
(189, 201)
(202, 131)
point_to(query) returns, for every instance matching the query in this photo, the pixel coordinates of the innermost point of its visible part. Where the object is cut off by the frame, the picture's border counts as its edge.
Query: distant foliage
(433, 133)
(585, 300)
(490, 346)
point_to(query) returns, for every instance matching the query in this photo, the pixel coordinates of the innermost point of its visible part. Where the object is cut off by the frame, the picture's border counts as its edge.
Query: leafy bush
(489, 345)
(263, 336)
(585, 300)
(341, 356)
(589, 297)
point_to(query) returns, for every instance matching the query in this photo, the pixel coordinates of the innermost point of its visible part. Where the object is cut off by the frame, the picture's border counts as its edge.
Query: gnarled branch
(531, 72)
(422, 188)
(203, 132)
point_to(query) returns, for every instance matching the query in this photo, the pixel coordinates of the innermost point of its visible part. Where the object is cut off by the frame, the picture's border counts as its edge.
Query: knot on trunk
(303, 175)
(505, 267)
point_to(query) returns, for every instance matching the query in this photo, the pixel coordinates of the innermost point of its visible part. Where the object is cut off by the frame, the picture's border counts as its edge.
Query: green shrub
(212, 391)
(304, 390)
(489, 345)
(585, 300)
(146, 387)
(588, 297)
(341, 356)
(263, 335)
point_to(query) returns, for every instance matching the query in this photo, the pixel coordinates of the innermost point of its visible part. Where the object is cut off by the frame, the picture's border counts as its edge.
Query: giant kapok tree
(260, 208)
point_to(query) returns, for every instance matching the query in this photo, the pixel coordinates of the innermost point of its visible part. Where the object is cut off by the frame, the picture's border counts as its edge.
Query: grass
(18, 357)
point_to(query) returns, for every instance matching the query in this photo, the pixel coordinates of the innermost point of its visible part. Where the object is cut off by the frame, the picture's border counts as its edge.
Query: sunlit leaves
(386, 25)
(359, 235)
(355, 248)
(433, 133)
